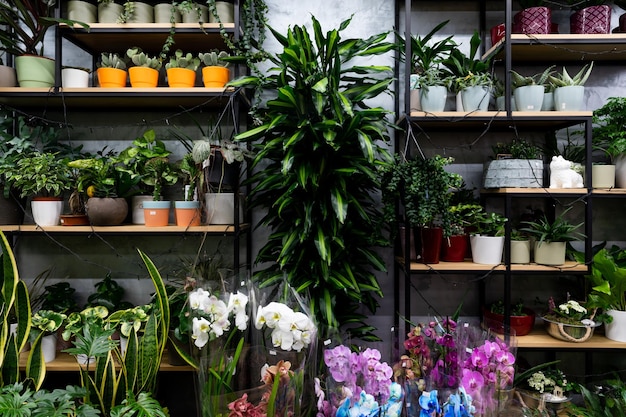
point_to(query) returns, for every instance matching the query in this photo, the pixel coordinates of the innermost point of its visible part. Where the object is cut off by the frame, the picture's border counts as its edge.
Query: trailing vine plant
(319, 144)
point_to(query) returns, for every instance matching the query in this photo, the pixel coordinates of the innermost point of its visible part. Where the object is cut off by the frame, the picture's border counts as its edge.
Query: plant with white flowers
(212, 317)
(291, 330)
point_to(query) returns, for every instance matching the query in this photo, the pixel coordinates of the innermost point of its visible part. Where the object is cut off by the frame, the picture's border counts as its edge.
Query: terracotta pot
(74, 220)
(430, 239)
(156, 213)
(519, 325)
(533, 20)
(188, 213)
(215, 76)
(181, 77)
(143, 77)
(591, 20)
(106, 211)
(112, 77)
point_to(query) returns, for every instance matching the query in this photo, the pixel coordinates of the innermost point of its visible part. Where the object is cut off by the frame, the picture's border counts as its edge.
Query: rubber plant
(319, 145)
(16, 306)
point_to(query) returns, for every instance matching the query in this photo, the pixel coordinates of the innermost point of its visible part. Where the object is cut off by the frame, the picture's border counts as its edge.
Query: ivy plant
(319, 144)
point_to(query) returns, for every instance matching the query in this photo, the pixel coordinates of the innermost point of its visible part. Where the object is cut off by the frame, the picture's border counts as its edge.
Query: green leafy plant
(468, 70)
(607, 399)
(139, 58)
(541, 78)
(41, 174)
(609, 127)
(214, 58)
(48, 321)
(517, 309)
(130, 319)
(608, 280)
(103, 176)
(564, 79)
(423, 187)
(517, 149)
(560, 230)
(182, 60)
(319, 144)
(463, 215)
(76, 321)
(158, 173)
(109, 294)
(191, 175)
(490, 224)
(59, 297)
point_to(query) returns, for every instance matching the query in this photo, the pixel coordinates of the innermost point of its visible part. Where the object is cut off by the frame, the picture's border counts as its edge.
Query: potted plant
(521, 321)
(534, 18)
(108, 294)
(22, 32)
(529, 91)
(571, 321)
(159, 172)
(48, 322)
(551, 238)
(106, 186)
(545, 384)
(82, 10)
(145, 70)
(609, 136)
(590, 16)
(423, 187)
(188, 211)
(215, 72)
(110, 11)
(181, 69)
(426, 58)
(520, 248)
(472, 78)
(45, 177)
(75, 77)
(455, 247)
(608, 290)
(569, 92)
(129, 320)
(516, 164)
(487, 239)
(112, 70)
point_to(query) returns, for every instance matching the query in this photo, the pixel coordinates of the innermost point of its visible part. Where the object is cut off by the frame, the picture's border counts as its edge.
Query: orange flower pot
(143, 77)
(156, 213)
(187, 213)
(112, 77)
(181, 77)
(214, 76)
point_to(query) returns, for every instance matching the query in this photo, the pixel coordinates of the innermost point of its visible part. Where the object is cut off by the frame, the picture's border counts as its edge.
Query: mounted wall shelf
(498, 120)
(471, 268)
(65, 362)
(135, 229)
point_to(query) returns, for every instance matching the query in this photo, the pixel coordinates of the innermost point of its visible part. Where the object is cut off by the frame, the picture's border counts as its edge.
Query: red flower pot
(533, 20)
(454, 248)
(593, 19)
(519, 325)
(430, 239)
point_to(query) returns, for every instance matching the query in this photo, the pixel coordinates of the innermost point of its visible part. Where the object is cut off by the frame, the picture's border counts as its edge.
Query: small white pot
(74, 78)
(47, 212)
(616, 330)
(487, 249)
(49, 347)
(603, 176)
(137, 209)
(220, 208)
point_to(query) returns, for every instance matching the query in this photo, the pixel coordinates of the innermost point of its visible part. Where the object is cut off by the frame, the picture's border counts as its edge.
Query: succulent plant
(141, 59)
(182, 60)
(214, 58)
(112, 60)
(564, 79)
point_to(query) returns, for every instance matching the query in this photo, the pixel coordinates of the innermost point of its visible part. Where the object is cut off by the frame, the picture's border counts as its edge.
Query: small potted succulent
(112, 70)
(215, 72)
(145, 70)
(569, 91)
(529, 90)
(181, 69)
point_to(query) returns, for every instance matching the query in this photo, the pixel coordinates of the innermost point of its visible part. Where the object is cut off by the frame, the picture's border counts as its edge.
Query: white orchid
(290, 330)
(200, 328)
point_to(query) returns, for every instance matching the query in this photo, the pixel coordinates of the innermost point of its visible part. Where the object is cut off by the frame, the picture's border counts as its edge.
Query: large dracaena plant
(319, 143)
(15, 305)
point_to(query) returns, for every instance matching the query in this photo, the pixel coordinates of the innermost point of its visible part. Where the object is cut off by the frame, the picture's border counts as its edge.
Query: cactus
(181, 60)
(112, 60)
(214, 58)
(141, 59)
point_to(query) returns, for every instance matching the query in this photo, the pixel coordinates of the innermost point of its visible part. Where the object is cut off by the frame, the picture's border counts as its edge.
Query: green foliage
(468, 70)
(541, 78)
(609, 129)
(464, 215)
(517, 309)
(141, 59)
(560, 230)
(191, 175)
(182, 60)
(423, 187)
(41, 174)
(518, 149)
(426, 55)
(109, 294)
(318, 144)
(112, 60)
(564, 79)
(214, 58)
(604, 400)
(608, 280)
(59, 297)
(158, 173)
(490, 224)
(106, 174)
(48, 321)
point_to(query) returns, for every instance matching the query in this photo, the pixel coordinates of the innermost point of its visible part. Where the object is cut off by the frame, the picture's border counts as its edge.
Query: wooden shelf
(540, 339)
(499, 120)
(555, 48)
(471, 267)
(115, 99)
(105, 37)
(531, 192)
(133, 229)
(64, 362)
(608, 192)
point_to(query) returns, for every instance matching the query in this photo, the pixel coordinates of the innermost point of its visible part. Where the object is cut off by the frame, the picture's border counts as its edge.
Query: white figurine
(562, 175)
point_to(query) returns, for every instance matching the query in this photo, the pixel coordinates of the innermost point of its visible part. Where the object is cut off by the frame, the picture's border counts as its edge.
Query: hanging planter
(591, 20)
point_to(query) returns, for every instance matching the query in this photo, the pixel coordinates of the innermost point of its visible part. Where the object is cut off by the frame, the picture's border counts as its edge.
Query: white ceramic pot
(433, 98)
(550, 253)
(616, 330)
(529, 97)
(603, 176)
(569, 98)
(49, 347)
(137, 209)
(475, 98)
(487, 249)
(220, 208)
(74, 78)
(47, 212)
